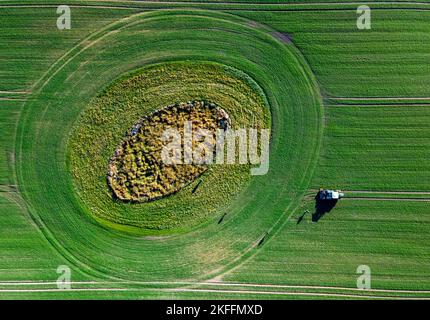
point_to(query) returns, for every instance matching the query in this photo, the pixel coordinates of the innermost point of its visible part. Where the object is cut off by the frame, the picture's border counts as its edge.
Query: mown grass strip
(376, 148)
(388, 236)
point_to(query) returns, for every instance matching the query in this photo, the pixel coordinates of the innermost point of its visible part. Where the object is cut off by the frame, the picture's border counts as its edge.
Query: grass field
(348, 109)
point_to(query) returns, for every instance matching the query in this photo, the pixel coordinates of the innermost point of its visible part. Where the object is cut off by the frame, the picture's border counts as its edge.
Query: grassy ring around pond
(106, 122)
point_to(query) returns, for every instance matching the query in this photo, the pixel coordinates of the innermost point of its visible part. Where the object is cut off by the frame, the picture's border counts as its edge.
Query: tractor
(328, 195)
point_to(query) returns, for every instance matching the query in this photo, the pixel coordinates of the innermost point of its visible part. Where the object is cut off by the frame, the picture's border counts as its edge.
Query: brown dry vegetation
(137, 171)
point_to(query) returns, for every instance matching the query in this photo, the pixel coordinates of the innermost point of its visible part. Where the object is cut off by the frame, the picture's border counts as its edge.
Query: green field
(348, 109)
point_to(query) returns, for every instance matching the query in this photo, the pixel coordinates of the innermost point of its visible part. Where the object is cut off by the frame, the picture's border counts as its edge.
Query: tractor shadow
(322, 207)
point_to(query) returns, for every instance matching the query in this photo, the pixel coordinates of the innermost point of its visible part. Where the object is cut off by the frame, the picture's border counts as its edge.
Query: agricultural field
(89, 210)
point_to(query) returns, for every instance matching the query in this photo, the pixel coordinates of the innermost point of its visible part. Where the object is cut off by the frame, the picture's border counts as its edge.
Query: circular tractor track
(157, 37)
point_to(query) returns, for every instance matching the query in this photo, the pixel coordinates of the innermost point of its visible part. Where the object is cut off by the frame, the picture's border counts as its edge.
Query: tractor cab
(328, 195)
